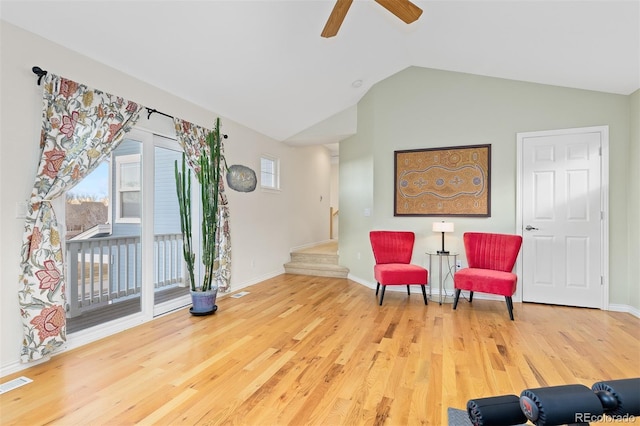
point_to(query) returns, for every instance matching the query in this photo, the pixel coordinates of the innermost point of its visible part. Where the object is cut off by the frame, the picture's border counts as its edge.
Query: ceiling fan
(403, 9)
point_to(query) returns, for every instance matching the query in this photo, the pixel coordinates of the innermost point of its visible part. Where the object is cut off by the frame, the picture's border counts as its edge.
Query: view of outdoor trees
(87, 204)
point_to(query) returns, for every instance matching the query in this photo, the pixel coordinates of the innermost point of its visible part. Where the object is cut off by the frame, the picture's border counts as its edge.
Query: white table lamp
(442, 227)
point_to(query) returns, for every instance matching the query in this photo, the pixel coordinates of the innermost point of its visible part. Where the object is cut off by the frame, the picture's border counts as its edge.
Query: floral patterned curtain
(193, 140)
(80, 127)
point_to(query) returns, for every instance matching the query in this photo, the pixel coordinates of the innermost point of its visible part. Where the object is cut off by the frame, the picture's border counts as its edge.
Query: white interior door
(562, 211)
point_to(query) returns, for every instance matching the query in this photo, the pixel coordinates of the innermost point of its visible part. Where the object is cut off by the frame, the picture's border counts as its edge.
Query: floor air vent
(239, 295)
(13, 384)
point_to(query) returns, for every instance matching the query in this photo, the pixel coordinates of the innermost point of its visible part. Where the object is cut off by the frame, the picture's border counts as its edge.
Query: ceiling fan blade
(335, 19)
(403, 9)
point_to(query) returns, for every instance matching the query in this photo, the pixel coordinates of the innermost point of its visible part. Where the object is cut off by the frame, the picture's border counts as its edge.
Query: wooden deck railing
(102, 270)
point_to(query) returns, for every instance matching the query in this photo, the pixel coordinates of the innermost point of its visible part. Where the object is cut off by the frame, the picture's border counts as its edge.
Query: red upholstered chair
(392, 251)
(491, 258)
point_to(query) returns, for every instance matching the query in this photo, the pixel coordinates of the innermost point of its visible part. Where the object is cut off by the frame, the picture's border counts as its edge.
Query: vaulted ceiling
(264, 65)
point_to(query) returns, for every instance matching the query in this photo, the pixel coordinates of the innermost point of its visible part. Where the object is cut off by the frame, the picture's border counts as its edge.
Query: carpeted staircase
(320, 260)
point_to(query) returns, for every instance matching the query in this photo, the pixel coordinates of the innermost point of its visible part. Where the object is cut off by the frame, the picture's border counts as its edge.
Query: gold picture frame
(451, 181)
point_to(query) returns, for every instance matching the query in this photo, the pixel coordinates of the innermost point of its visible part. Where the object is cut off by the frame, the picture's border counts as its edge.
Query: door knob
(530, 228)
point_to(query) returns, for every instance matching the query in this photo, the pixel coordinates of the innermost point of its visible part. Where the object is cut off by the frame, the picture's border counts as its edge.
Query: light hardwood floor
(311, 350)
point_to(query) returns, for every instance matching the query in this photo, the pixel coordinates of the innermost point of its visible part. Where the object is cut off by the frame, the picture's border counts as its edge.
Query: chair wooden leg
(470, 296)
(377, 288)
(455, 301)
(408, 291)
(424, 294)
(384, 287)
(509, 306)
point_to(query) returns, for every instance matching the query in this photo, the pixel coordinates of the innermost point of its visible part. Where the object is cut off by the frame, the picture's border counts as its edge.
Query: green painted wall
(634, 201)
(426, 108)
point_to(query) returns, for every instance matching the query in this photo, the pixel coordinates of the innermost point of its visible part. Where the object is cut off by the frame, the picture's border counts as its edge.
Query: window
(128, 195)
(269, 172)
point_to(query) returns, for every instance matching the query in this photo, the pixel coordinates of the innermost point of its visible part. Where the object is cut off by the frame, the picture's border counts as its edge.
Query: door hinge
(601, 280)
(600, 151)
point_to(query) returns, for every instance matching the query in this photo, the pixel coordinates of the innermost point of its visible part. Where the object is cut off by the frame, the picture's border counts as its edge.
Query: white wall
(264, 226)
(426, 108)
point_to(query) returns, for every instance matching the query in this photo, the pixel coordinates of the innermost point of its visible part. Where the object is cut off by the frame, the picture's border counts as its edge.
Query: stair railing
(332, 214)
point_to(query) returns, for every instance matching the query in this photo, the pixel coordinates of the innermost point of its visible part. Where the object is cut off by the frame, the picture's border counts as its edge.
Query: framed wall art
(452, 181)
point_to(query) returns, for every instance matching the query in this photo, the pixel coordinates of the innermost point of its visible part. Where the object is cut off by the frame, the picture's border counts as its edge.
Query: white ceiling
(263, 63)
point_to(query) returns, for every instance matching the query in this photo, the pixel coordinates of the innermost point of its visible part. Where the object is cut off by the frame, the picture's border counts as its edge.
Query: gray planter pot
(204, 302)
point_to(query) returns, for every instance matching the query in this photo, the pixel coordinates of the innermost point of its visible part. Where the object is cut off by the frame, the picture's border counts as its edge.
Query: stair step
(316, 269)
(304, 257)
(320, 260)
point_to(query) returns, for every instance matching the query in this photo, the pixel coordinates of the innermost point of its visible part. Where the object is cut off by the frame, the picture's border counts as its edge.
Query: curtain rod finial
(39, 72)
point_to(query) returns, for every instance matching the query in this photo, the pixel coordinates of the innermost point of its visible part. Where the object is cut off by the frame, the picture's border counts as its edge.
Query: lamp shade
(442, 227)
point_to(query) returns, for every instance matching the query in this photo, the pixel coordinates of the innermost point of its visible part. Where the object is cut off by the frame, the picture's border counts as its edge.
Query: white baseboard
(361, 281)
(484, 296)
(239, 286)
(17, 366)
(615, 307)
(436, 291)
(81, 338)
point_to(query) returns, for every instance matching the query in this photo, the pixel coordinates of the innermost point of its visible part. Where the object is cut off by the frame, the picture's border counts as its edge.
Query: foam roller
(496, 411)
(559, 405)
(619, 397)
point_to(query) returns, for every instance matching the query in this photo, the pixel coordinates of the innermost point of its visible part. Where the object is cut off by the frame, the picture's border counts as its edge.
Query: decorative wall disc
(241, 178)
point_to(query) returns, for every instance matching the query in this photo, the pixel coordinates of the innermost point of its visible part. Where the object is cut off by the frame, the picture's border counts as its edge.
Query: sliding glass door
(103, 241)
(170, 288)
(123, 240)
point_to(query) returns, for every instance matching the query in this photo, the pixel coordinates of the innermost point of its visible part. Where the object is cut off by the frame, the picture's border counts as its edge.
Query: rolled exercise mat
(559, 405)
(619, 397)
(496, 411)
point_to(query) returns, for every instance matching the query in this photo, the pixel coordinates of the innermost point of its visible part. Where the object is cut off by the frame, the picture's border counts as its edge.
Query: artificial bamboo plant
(208, 170)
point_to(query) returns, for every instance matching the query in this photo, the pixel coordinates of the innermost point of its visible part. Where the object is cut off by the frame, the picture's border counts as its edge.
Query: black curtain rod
(153, 110)
(41, 73)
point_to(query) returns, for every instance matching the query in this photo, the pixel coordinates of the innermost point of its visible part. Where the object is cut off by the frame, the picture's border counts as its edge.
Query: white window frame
(274, 185)
(120, 160)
